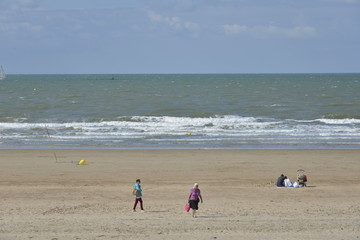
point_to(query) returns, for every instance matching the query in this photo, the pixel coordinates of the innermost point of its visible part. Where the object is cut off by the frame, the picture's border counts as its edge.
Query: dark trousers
(141, 203)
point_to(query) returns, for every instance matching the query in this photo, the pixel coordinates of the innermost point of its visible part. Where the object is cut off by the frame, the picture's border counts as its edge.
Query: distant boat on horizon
(2, 73)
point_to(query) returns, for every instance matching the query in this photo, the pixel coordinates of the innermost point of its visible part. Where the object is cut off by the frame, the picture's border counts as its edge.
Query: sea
(180, 111)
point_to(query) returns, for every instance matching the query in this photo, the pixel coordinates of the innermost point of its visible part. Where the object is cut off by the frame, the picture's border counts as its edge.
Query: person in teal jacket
(138, 195)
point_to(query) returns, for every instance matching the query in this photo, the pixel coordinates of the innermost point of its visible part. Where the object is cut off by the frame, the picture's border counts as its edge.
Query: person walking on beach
(137, 192)
(194, 197)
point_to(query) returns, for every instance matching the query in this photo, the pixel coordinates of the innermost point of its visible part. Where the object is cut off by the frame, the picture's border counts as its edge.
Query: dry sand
(42, 199)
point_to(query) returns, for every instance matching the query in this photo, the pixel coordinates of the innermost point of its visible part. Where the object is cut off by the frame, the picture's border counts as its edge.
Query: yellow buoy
(189, 134)
(82, 162)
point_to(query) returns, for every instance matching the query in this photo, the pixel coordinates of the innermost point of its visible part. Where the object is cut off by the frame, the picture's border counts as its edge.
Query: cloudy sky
(179, 36)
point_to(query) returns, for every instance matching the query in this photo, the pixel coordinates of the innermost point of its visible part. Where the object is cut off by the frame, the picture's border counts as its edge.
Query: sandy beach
(45, 198)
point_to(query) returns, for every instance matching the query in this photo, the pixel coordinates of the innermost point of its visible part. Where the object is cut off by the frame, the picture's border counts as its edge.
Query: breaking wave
(227, 131)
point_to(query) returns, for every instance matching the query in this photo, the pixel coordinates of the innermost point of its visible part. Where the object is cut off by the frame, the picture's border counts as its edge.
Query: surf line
(50, 142)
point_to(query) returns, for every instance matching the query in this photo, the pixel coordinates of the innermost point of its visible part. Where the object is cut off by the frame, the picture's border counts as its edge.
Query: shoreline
(46, 199)
(185, 147)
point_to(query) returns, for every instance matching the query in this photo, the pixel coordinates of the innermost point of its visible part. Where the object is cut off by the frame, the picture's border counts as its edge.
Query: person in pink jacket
(194, 199)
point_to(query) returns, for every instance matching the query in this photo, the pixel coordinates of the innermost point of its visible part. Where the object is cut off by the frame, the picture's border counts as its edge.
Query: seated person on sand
(302, 179)
(280, 181)
(287, 182)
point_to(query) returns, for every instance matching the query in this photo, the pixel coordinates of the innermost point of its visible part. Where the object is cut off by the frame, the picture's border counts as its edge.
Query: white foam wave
(144, 122)
(174, 130)
(339, 121)
(177, 125)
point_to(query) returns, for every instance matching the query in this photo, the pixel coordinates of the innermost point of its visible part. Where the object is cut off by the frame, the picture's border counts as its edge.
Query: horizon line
(200, 73)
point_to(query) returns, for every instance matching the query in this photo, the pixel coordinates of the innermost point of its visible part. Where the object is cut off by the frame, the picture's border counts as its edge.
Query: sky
(179, 36)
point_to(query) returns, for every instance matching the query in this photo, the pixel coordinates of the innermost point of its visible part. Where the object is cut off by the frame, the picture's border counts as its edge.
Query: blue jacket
(138, 187)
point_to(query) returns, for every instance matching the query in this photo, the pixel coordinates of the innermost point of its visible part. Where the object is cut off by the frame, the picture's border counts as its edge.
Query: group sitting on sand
(193, 200)
(284, 181)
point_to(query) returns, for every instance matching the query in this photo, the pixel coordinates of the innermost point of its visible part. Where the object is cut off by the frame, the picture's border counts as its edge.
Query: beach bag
(187, 207)
(135, 192)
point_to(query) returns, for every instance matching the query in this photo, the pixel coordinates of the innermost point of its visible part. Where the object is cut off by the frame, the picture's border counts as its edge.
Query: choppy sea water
(227, 111)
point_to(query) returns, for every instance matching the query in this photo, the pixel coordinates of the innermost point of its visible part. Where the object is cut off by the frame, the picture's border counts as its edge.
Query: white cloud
(191, 26)
(270, 31)
(345, 1)
(17, 5)
(174, 23)
(27, 2)
(21, 26)
(14, 16)
(234, 28)
(352, 1)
